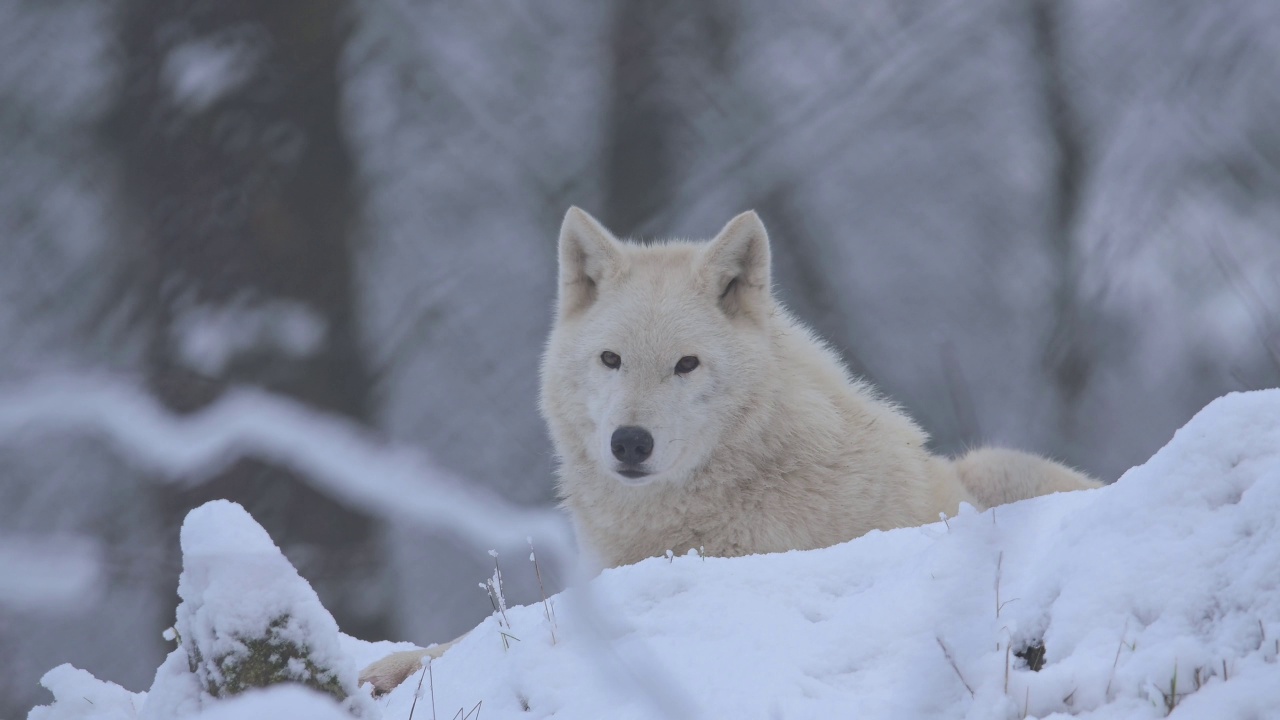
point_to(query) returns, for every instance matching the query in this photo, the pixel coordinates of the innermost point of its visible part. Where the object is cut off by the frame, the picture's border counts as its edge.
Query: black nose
(631, 444)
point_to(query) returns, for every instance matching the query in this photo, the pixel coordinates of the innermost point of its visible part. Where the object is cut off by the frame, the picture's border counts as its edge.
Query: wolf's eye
(686, 364)
(610, 359)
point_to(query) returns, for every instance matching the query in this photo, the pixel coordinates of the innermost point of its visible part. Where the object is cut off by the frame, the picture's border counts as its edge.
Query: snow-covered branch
(337, 456)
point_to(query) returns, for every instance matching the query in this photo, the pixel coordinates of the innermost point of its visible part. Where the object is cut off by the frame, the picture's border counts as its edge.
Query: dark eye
(686, 364)
(611, 359)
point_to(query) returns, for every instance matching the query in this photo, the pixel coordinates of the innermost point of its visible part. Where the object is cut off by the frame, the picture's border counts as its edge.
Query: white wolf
(690, 410)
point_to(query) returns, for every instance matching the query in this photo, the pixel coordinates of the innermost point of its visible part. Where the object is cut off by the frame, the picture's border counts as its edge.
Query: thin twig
(494, 587)
(546, 606)
(418, 692)
(947, 654)
(999, 570)
(1116, 661)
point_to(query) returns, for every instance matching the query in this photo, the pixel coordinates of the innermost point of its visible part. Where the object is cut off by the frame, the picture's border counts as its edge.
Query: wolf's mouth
(632, 474)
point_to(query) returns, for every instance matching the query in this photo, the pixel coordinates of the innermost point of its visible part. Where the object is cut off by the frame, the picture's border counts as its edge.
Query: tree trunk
(1070, 354)
(229, 127)
(654, 47)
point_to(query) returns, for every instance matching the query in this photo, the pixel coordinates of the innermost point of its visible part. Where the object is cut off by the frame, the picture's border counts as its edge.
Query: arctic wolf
(690, 410)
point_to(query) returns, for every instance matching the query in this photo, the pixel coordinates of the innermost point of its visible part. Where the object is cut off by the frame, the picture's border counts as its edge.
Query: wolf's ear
(589, 255)
(735, 266)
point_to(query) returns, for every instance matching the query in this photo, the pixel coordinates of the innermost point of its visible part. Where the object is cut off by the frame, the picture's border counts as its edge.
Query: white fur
(767, 445)
(395, 668)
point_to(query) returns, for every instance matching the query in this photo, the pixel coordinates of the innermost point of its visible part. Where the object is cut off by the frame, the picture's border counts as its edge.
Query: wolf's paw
(386, 674)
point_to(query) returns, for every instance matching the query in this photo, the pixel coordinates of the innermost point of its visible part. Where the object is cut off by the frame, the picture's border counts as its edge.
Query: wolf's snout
(631, 444)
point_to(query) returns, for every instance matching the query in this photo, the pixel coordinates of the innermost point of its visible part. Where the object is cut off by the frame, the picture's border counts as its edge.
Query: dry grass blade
(947, 653)
(999, 570)
(546, 605)
(1171, 698)
(494, 587)
(1116, 660)
(418, 692)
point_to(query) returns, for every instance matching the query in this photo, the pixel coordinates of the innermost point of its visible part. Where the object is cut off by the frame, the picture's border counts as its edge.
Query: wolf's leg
(996, 476)
(386, 674)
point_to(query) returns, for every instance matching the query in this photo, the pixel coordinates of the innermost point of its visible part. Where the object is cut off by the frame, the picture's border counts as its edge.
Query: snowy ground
(1161, 590)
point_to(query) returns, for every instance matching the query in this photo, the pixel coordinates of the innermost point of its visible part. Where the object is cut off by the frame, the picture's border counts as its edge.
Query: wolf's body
(690, 410)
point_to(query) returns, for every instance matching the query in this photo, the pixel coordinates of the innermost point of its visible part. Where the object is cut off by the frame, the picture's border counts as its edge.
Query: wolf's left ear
(589, 256)
(735, 265)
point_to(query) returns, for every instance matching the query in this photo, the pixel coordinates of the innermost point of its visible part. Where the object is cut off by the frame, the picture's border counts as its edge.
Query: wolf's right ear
(589, 255)
(735, 265)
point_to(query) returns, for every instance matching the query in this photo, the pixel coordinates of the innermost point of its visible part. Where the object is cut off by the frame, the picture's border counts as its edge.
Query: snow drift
(1157, 595)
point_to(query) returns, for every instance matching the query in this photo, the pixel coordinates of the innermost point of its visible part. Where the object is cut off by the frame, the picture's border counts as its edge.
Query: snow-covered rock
(1158, 593)
(246, 620)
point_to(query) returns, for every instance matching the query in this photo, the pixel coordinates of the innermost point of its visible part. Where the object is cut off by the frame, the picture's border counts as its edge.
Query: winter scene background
(300, 256)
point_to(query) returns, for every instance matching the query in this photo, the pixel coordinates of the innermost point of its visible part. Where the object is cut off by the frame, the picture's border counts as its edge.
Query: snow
(339, 457)
(49, 573)
(200, 72)
(209, 338)
(81, 697)
(1164, 583)
(278, 703)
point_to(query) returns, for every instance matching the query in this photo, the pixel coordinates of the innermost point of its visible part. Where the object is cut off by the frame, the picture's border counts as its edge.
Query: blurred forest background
(1053, 225)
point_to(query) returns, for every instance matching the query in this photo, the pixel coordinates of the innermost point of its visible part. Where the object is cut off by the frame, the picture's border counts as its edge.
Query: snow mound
(77, 695)
(282, 702)
(1156, 596)
(246, 619)
(82, 697)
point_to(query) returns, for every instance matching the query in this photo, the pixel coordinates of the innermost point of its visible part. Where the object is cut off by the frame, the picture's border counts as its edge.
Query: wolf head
(656, 349)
